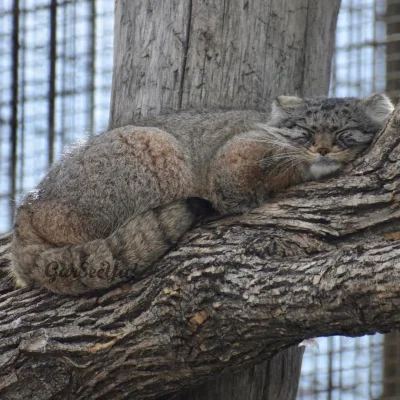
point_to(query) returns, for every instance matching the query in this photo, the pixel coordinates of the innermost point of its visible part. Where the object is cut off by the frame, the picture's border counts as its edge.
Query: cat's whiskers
(294, 165)
(272, 142)
(286, 166)
(277, 157)
(290, 152)
(275, 142)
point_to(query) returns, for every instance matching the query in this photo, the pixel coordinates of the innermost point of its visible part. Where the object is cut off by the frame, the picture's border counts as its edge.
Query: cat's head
(328, 133)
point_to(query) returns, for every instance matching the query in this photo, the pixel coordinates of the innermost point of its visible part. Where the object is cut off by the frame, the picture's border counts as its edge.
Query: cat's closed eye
(303, 137)
(300, 136)
(350, 138)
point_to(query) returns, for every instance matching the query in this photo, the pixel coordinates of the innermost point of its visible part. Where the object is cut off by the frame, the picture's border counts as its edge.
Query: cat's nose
(323, 151)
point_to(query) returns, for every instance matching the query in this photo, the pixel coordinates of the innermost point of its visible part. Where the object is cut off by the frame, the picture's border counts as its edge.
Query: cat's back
(205, 127)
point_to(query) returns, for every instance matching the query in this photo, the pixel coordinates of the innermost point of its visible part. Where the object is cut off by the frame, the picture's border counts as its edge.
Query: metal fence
(55, 69)
(55, 74)
(359, 62)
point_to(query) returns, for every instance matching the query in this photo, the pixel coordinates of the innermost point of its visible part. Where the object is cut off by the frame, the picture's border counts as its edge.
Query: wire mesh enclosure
(359, 62)
(55, 69)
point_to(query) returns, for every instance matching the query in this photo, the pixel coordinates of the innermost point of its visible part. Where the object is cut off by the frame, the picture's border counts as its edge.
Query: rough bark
(185, 54)
(322, 260)
(221, 301)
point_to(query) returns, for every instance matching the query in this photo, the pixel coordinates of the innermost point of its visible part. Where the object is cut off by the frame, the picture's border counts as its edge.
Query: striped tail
(101, 263)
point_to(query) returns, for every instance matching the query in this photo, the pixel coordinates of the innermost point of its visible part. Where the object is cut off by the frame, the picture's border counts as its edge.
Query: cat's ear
(379, 107)
(282, 105)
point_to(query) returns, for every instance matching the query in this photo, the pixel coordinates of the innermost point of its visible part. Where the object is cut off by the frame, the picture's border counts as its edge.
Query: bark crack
(185, 53)
(306, 33)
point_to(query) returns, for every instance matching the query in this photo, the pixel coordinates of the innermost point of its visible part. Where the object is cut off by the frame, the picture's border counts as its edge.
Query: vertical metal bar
(52, 80)
(359, 64)
(14, 106)
(341, 363)
(397, 361)
(371, 367)
(330, 367)
(315, 385)
(92, 64)
(375, 48)
(63, 74)
(71, 59)
(22, 83)
(352, 51)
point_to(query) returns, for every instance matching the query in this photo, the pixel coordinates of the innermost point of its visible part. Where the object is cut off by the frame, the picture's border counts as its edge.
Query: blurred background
(55, 74)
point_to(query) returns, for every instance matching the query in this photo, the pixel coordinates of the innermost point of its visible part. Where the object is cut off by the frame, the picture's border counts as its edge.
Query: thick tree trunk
(236, 291)
(184, 54)
(194, 54)
(231, 54)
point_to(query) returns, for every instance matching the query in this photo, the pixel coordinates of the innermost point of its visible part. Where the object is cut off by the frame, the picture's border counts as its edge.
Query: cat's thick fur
(115, 204)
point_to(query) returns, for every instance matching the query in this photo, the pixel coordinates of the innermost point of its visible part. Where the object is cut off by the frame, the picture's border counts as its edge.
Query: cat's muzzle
(323, 167)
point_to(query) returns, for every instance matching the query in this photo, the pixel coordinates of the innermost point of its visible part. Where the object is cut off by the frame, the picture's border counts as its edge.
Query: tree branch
(323, 259)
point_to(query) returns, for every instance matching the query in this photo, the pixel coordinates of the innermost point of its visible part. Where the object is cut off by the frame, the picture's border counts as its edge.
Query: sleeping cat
(115, 204)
